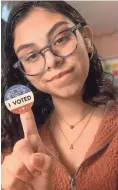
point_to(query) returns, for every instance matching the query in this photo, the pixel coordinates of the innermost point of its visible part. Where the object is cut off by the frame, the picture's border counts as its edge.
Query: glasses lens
(64, 44)
(33, 63)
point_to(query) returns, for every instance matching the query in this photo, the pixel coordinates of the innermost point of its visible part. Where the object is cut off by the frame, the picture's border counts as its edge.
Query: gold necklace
(72, 126)
(72, 144)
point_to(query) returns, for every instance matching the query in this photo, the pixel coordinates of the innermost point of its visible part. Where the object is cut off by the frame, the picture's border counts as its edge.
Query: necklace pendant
(71, 146)
(71, 126)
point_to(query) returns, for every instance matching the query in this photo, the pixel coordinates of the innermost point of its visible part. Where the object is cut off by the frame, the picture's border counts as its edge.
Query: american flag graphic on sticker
(19, 99)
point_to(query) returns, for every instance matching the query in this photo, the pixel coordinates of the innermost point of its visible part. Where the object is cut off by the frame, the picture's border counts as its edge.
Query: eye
(32, 57)
(62, 38)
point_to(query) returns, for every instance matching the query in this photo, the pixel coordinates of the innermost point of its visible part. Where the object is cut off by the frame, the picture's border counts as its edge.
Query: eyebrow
(50, 32)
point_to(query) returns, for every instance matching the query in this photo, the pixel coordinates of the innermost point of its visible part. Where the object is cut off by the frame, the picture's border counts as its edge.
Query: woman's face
(33, 34)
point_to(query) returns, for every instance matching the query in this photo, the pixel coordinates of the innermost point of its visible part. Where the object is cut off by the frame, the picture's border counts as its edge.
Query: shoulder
(108, 128)
(109, 125)
(111, 113)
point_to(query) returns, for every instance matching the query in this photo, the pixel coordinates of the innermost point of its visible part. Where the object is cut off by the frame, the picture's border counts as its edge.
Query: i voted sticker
(19, 99)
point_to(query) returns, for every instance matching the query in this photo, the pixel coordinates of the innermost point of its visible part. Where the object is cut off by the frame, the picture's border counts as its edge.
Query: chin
(67, 92)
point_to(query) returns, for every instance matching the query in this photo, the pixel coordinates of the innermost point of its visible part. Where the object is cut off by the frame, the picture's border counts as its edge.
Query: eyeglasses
(62, 45)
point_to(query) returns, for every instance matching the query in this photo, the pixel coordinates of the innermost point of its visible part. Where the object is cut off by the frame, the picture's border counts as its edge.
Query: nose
(52, 61)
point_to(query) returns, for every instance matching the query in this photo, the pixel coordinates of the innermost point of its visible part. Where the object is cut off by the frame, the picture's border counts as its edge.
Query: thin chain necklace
(73, 126)
(72, 144)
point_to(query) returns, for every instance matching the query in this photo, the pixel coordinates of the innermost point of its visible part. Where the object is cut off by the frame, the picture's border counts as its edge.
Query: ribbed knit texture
(99, 172)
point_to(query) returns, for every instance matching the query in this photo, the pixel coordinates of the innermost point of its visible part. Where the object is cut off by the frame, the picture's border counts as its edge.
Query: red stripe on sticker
(22, 109)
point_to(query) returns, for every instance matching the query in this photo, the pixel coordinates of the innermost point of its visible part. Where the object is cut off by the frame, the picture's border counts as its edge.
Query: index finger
(30, 129)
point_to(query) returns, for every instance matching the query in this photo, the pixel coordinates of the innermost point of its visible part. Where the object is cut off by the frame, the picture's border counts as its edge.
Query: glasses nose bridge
(47, 47)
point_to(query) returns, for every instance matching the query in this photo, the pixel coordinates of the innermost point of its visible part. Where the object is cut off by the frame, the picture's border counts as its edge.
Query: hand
(27, 167)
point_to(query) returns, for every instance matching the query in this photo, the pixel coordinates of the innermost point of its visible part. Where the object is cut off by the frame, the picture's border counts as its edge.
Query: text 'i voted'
(19, 99)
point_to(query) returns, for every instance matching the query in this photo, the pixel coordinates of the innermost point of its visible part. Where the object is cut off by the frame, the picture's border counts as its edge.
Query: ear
(88, 33)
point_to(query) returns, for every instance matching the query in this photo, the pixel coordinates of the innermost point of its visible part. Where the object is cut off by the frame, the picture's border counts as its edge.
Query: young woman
(71, 138)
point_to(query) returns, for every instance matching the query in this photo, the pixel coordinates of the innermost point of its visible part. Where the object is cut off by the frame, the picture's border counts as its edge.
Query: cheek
(37, 83)
(82, 57)
(81, 60)
(81, 51)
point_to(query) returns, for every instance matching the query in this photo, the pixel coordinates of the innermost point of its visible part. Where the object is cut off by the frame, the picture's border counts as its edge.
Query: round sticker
(19, 99)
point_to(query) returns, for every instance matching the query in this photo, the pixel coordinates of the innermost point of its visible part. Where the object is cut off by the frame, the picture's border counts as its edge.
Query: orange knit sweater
(99, 171)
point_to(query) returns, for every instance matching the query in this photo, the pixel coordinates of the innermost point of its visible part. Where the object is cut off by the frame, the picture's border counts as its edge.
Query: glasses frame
(73, 29)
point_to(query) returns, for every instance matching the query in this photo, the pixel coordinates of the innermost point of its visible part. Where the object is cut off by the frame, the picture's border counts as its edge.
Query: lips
(59, 75)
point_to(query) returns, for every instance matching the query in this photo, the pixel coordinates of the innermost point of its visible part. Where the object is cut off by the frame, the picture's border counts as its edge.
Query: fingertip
(29, 112)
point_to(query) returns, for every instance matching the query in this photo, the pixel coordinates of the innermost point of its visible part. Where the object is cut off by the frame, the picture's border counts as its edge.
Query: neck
(70, 109)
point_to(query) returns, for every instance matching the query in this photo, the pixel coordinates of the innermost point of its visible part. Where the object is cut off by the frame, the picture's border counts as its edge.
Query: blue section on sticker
(15, 91)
